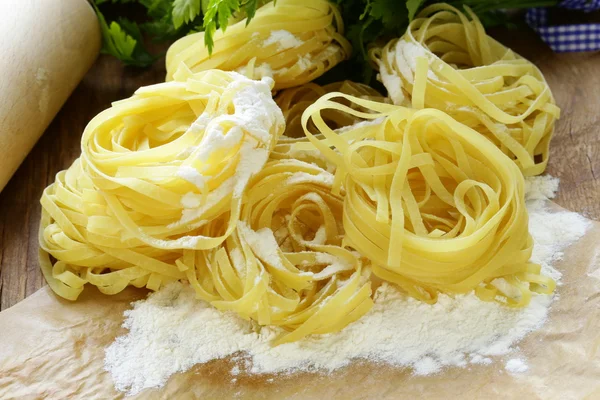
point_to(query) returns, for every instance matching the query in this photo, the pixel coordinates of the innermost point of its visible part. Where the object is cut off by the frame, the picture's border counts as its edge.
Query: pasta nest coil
(284, 265)
(445, 60)
(156, 171)
(434, 205)
(293, 144)
(294, 101)
(292, 41)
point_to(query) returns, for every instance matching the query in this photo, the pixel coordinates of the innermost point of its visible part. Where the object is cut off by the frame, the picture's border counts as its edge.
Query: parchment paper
(54, 349)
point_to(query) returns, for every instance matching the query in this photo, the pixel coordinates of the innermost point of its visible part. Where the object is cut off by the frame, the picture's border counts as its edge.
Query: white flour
(516, 365)
(171, 331)
(263, 70)
(255, 117)
(304, 62)
(405, 56)
(324, 178)
(393, 85)
(284, 39)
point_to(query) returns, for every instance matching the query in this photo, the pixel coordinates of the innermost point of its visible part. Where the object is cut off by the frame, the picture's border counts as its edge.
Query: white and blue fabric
(567, 38)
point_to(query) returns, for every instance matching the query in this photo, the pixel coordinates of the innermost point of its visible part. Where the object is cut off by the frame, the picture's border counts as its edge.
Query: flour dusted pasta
(434, 205)
(292, 41)
(446, 61)
(156, 171)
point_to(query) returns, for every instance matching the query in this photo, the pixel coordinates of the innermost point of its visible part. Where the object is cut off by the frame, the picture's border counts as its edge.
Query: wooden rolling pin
(46, 47)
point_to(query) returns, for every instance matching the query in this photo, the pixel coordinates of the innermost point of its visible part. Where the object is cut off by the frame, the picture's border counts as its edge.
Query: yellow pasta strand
(295, 100)
(160, 173)
(292, 41)
(284, 265)
(446, 61)
(293, 143)
(434, 205)
(172, 185)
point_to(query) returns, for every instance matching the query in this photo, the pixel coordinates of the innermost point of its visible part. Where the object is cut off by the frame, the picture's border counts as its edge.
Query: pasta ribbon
(292, 41)
(293, 101)
(445, 60)
(160, 172)
(434, 205)
(284, 265)
(174, 184)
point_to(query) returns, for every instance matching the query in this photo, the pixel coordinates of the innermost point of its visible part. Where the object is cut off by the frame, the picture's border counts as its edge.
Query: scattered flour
(552, 232)
(191, 175)
(191, 200)
(516, 365)
(284, 39)
(479, 359)
(263, 244)
(324, 178)
(250, 128)
(264, 70)
(304, 62)
(334, 265)
(541, 187)
(393, 85)
(404, 56)
(171, 331)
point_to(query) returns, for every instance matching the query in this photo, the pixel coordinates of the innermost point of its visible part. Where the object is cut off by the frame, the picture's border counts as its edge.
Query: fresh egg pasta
(294, 101)
(434, 205)
(174, 184)
(292, 41)
(445, 60)
(156, 170)
(284, 265)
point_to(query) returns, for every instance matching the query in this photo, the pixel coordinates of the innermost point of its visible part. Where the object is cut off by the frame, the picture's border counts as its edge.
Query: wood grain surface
(575, 155)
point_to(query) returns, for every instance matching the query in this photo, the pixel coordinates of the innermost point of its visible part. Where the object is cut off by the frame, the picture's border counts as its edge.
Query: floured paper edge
(52, 348)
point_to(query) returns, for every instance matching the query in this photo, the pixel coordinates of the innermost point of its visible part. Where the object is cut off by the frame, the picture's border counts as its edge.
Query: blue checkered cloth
(567, 38)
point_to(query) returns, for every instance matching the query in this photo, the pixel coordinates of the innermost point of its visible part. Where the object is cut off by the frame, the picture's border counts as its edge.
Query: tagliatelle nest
(285, 265)
(430, 202)
(445, 60)
(292, 41)
(294, 101)
(156, 170)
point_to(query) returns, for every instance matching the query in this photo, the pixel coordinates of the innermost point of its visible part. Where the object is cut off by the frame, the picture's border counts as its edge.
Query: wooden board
(575, 155)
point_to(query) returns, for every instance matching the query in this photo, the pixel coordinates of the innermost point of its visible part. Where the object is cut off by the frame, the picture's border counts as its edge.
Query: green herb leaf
(120, 43)
(217, 14)
(161, 30)
(392, 14)
(413, 6)
(185, 11)
(123, 41)
(366, 21)
(250, 7)
(157, 9)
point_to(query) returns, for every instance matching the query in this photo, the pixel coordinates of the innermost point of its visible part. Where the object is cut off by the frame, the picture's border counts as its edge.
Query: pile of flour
(171, 331)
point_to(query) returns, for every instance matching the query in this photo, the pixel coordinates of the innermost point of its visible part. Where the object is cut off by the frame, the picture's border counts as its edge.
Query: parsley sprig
(366, 21)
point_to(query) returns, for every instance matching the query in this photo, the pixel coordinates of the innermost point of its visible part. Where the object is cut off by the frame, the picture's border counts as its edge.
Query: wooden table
(575, 155)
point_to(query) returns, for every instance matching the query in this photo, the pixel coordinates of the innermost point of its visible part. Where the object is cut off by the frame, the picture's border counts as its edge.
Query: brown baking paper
(54, 349)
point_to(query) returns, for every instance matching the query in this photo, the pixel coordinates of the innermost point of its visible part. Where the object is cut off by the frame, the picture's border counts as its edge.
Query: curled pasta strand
(445, 60)
(160, 173)
(293, 101)
(434, 205)
(292, 41)
(285, 264)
